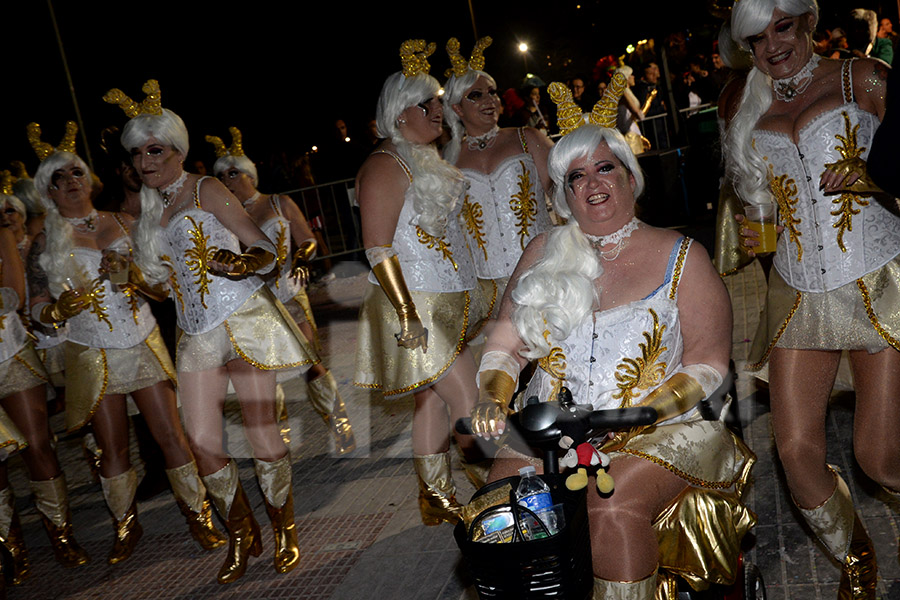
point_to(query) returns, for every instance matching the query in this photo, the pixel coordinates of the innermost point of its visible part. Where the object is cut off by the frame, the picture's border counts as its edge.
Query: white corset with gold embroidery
(502, 212)
(432, 264)
(278, 230)
(12, 331)
(203, 300)
(113, 318)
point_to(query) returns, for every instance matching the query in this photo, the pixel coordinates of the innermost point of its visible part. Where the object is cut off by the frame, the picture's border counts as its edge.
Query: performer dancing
(190, 235)
(803, 126)
(423, 274)
(280, 219)
(506, 169)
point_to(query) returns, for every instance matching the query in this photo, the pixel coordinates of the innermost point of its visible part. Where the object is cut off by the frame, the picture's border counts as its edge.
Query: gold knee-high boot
(224, 487)
(119, 493)
(11, 537)
(437, 492)
(190, 494)
(838, 527)
(645, 589)
(52, 502)
(324, 396)
(275, 482)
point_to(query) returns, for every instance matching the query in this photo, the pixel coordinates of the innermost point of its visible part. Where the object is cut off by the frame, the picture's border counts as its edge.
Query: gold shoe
(327, 401)
(243, 536)
(53, 505)
(859, 571)
(190, 495)
(12, 540)
(119, 494)
(437, 492)
(202, 527)
(128, 534)
(626, 590)
(287, 549)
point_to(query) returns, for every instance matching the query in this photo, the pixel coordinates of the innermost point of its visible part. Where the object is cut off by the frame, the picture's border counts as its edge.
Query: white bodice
(203, 300)
(278, 230)
(113, 318)
(828, 241)
(613, 358)
(502, 212)
(12, 332)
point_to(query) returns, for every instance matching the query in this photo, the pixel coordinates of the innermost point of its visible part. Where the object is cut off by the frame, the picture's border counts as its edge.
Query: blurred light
(523, 47)
(642, 42)
(630, 48)
(315, 148)
(347, 139)
(441, 92)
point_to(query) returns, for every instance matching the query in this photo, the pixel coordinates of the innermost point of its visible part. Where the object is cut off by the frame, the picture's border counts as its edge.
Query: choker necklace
(249, 201)
(85, 223)
(619, 238)
(169, 192)
(486, 140)
(790, 87)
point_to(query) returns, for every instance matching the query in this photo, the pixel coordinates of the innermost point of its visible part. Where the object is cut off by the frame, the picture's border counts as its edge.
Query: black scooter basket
(558, 566)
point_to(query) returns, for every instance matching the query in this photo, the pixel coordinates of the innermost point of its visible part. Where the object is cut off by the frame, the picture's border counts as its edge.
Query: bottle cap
(527, 470)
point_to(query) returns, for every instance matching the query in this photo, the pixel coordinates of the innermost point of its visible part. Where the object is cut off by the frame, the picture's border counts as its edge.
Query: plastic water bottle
(534, 495)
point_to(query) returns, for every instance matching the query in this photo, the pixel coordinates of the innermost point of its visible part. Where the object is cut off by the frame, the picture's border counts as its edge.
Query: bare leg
(317, 370)
(110, 424)
(28, 410)
(255, 390)
(457, 390)
(876, 378)
(430, 430)
(202, 402)
(160, 410)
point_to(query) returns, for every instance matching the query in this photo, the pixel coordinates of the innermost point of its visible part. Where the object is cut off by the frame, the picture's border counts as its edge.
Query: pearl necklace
(790, 87)
(85, 223)
(619, 238)
(249, 201)
(481, 142)
(169, 192)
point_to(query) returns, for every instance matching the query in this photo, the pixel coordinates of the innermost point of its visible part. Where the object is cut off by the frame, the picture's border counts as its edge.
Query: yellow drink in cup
(761, 219)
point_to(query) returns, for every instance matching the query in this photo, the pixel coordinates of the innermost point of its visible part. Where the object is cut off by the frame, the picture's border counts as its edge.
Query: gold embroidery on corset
(95, 298)
(785, 192)
(173, 282)
(197, 258)
(472, 215)
(845, 209)
(679, 266)
(555, 366)
(438, 244)
(643, 372)
(282, 247)
(131, 294)
(524, 205)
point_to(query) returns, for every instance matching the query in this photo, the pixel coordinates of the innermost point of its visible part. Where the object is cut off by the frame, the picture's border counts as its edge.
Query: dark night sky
(283, 71)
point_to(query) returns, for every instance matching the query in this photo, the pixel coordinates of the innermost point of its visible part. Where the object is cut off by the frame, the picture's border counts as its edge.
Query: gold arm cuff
(649, 101)
(256, 258)
(677, 395)
(497, 387)
(154, 292)
(50, 314)
(390, 277)
(305, 251)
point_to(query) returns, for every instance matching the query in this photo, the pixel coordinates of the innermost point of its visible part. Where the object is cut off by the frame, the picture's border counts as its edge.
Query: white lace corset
(203, 300)
(113, 318)
(278, 230)
(12, 331)
(502, 212)
(615, 357)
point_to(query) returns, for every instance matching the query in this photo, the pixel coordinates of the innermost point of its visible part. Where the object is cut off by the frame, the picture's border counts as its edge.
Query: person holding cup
(114, 346)
(761, 218)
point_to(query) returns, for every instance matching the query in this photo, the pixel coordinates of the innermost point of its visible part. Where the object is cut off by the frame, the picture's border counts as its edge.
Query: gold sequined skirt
(92, 373)
(861, 315)
(54, 361)
(21, 372)
(382, 364)
(260, 332)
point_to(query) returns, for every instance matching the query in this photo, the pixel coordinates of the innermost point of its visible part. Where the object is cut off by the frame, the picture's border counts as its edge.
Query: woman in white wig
(621, 314)
(800, 136)
(284, 224)
(422, 280)
(190, 236)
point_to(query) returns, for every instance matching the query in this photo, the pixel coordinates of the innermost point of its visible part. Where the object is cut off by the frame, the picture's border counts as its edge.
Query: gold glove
(848, 166)
(412, 333)
(136, 280)
(251, 261)
(300, 264)
(497, 389)
(70, 303)
(677, 395)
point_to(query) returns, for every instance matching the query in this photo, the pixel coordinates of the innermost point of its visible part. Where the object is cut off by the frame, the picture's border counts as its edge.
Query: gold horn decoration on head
(607, 108)
(476, 63)
(568, 115)
(237, 146)
(718, 11)
(414, 57)
(151, 105)
(218, 145)
(459, 64)
(6, 183)
(43, 149)
(21, 171)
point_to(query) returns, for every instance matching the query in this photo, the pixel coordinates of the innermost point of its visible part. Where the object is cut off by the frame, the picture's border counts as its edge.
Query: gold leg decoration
(190, 494)
(224, 487)
(437, 492)
(275, 481)
(282, 412)
(11, 537)
(644, 589)
(324, 396)
(52, 503)
(119, 493)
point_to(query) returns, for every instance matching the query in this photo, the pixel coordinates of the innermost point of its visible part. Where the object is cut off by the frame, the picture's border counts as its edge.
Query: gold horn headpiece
(568, 115)
(20, 171)
(7, 180)
(237, 145)
(43, 149)
(151, 105)
(414, 57)
(459, 64)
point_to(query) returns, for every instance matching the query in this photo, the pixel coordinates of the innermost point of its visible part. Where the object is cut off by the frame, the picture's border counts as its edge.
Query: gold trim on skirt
(382, 364)
(54, 361)
(22, 372)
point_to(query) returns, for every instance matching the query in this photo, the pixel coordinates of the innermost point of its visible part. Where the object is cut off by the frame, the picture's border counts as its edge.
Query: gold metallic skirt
(260, 332)
(21, 372)
(382, 364)
(728, 257)
(92, 373)
(54, 361)
(861, 315)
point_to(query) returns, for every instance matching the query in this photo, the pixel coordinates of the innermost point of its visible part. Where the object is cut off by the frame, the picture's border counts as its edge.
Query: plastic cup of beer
(118, 268)
(761, 219)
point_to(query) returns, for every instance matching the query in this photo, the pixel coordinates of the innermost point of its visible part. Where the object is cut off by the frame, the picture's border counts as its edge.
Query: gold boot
(643, 589)
(437, 492)
(190, 494)
(324, 396)
(52, 503)
(119, 493)
(839, 529)
(11, 538)
(275, 481)
(224, 487)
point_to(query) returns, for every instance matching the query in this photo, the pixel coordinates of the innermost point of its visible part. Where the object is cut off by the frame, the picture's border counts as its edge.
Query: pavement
(359, 529)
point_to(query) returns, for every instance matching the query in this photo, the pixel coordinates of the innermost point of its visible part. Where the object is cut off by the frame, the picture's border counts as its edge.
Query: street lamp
(523, 48)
